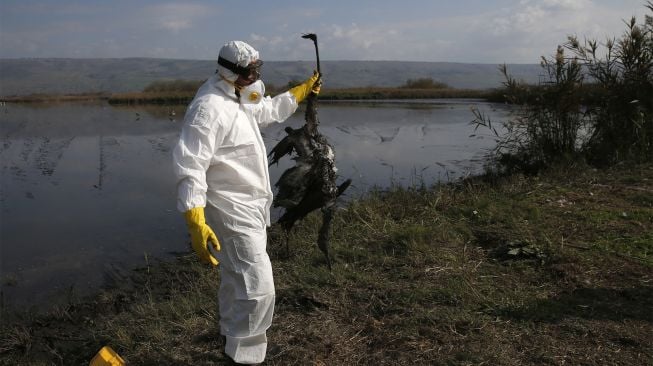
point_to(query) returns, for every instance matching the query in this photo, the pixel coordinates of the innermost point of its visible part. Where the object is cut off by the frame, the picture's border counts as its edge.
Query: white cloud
(257, 40)
(539, 17)
(521, 31)
(530, 29)
(563, 4)
(177, 17)
(351, 41)
(175, 25)
(257, 37)
(361, 41)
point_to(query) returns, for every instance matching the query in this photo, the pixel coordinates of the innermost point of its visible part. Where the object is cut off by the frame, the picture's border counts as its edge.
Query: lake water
(87, 189)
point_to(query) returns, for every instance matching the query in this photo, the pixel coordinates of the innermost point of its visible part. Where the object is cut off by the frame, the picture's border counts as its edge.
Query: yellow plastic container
(107, 357)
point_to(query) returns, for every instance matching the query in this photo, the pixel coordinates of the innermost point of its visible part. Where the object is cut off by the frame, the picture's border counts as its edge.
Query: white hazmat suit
(221, 164)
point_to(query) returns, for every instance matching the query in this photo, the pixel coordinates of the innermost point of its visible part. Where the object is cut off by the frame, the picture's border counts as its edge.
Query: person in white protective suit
(224, 190)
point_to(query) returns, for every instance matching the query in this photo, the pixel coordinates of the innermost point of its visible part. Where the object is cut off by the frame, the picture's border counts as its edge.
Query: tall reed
(596, 104)
(622, 115)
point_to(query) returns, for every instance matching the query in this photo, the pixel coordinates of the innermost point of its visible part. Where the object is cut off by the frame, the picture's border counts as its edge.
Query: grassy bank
(554, 269)
(326, 94)
(54, 98)
(401, 93)
(171, 98)
(184, 97)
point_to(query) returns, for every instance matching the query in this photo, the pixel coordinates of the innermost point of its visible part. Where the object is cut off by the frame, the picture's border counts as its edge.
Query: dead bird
(311, 183)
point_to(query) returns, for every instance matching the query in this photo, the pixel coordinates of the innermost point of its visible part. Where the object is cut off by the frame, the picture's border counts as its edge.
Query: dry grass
(400, 93)
(55, 98)
(184, 96)
(154, 97)
(421, 276)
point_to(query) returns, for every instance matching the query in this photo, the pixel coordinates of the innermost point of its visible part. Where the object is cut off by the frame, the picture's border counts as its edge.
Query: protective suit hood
(236, 52)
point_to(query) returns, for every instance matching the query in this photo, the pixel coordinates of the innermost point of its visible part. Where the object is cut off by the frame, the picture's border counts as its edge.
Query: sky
(470, 31)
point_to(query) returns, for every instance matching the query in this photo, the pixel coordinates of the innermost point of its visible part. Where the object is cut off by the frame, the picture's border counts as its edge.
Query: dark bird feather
(311, 183)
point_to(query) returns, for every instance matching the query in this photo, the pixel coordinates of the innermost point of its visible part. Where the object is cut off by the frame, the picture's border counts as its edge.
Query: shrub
(548, 119)
(622, 115)
(606, 121)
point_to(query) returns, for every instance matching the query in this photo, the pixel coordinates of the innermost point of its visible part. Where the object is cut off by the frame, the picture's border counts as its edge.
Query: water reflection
(87, 189)
(381, 143)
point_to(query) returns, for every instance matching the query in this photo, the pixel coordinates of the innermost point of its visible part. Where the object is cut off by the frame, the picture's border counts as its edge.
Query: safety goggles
(251, 72)
(254, 70)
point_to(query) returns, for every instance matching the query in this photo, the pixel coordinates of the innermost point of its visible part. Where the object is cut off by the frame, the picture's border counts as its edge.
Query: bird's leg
(325, 233)
(287, 242)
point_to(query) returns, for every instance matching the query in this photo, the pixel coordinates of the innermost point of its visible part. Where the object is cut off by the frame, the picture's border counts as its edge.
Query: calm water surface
(87, 190)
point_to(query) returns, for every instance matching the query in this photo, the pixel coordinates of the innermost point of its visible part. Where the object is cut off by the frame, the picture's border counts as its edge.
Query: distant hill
(60, 75)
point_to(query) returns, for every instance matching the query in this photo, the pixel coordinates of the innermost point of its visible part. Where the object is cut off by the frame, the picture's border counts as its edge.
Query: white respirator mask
(252, 93)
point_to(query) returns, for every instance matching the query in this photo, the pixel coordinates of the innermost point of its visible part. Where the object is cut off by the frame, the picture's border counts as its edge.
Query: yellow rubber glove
(317, 86)
(302, 90)
(201, 234)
